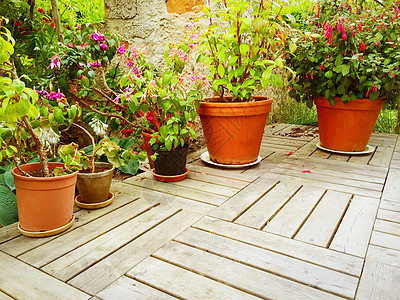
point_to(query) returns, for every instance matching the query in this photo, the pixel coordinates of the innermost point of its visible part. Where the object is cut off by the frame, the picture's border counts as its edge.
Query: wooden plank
(390, 205)
(109, 269)
(307, 149)
(274, 128)
(323, 221)
(385, 240)
(382, 156)
(339, 157)
(324, 184)
(344, 167)
(389, 215)
(127, 288)
(283, 141)
(22, 281)
(169, 188)
(354, 231)
(93, 251)
(183, 283)
(291, 217)
(395, 163)
(232, 208)
(320, 154)
(9, 232)
(392, 188)
(202, 243)
(200, 166)
(379, 281)
(239, 184)
(164, 199)
(361, 159)
(23, 244)
(318, 170)
(211, 188)
(73, 239)
(4, 296)
(319, 256)
(384, 255)
(387, 227)
(268, 205)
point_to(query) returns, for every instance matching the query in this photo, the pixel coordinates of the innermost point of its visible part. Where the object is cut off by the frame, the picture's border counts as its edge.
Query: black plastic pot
(172, 162)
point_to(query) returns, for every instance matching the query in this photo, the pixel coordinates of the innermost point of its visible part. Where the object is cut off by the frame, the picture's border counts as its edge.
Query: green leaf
(91, 73)
(346, 70)
(328, 74)
(131, 168)
(58, 116)
(19, 85)
(9, 179)
(339, 60)
(168, 144)
(8, 207)
(373, 96)
(221, 70)
(85, 81)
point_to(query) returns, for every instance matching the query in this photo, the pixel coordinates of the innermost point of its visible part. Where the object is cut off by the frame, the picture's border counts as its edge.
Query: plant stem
(93, 144)
(39, 145)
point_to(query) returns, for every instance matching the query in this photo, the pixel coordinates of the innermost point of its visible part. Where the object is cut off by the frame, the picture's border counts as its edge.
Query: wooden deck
(302, 224)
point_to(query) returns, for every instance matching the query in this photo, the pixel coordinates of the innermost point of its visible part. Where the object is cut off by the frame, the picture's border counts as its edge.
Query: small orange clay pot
(347, 127)
(233, 131)
(44, 203)
(147, 146)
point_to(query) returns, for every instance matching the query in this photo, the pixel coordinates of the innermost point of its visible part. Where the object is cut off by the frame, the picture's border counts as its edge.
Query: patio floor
(302, 224)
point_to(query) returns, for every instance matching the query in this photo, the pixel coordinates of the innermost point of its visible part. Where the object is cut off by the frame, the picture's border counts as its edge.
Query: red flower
(17, 24)
(40, 10)
(52, 24)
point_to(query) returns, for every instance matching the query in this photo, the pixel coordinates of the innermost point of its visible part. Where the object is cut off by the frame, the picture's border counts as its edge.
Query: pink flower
(70, 45)
(55, 62)
(103, 47)
(40, 10)
(98, 37)
(321, 68)
(367, 92)
(121, 49)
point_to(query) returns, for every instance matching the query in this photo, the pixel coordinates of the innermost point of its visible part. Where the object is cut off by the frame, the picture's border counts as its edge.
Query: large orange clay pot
(45, 204)
(233, 131)
(347, 127)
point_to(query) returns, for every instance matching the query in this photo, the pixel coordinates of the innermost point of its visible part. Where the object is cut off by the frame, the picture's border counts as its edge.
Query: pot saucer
(368, 149)
(165, 178)
(94, 205)
(47, 232)
(206, 158)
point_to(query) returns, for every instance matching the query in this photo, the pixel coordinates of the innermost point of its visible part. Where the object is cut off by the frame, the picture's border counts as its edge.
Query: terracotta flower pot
(147, 146)
(233, 131)
(347, 127)
(45, 204)
(95, 187)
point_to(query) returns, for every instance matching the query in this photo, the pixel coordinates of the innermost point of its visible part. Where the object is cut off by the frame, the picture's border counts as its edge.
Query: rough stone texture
(120, 9)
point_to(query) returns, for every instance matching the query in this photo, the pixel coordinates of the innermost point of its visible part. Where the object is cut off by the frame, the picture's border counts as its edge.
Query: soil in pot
(170, 163)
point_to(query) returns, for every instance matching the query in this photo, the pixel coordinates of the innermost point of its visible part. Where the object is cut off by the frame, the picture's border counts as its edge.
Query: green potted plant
(347, 62)
(159, 102)
(243, 47)
(28, 122)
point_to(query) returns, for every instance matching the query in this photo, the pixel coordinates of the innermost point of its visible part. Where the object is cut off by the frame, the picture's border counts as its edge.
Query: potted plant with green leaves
(243, 47)
(45, 202)
(347, 62)
(161, 102)
(94, 177)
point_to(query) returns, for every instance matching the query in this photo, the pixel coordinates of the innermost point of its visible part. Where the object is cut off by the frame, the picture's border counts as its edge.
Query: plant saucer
(368, 149)
(47, 232)
(206, 158)
(96, 204)
(166, 178)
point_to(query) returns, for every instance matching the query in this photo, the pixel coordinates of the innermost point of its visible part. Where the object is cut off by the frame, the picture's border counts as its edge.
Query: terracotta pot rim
(99, 174)
(259, 101)
(15, 172)
(359, 104)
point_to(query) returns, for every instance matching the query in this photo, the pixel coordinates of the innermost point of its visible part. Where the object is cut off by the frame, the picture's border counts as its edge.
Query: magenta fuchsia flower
(95, 64)
(121, 49)
(98, 37)
(104, 47)
(55, 62)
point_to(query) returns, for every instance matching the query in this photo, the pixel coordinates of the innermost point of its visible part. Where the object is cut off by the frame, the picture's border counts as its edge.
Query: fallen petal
(306, 171)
